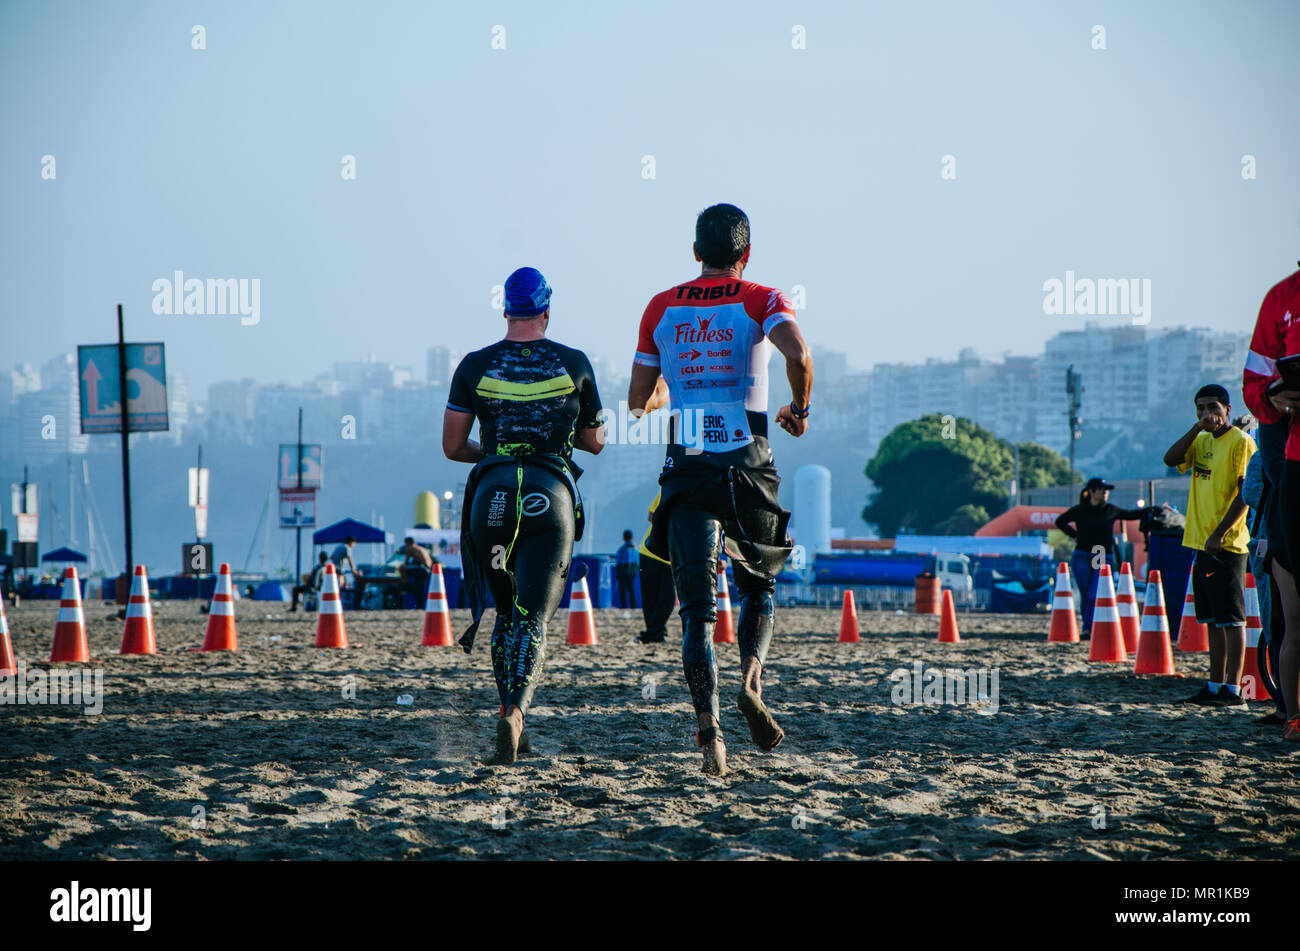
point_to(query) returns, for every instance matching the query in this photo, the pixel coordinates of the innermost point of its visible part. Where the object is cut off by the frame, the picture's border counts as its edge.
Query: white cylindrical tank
(812, 509)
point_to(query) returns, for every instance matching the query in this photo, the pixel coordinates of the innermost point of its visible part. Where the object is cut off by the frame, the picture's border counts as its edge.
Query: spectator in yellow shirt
(1216, 453)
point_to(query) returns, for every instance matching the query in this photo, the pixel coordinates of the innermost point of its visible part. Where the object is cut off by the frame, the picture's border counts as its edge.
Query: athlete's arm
(647, 391)
(1063, 522)
(590, 440)
(589, 435)
(456, 444)
(786, 337)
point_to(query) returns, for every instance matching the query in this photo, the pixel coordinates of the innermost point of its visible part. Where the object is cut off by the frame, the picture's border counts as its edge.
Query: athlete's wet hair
(721, 235)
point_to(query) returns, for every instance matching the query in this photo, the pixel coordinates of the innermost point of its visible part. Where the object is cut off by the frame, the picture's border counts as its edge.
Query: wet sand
(264, 753)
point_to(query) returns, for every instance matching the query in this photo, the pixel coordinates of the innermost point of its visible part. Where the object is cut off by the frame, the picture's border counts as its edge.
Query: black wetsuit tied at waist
(1094, 525)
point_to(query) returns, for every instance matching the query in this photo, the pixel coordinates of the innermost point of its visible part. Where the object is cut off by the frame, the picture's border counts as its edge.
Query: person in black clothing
(535, 401)
(1093, 531)
(312, 583)
(658, 595)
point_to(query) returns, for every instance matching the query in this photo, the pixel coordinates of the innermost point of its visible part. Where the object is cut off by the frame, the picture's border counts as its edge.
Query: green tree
(963, 521)
(945, 475)
(1041, 467)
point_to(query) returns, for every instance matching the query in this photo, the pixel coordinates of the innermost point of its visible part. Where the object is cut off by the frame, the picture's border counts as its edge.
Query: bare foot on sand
(763, 728)
(709, 739)
(510, 731)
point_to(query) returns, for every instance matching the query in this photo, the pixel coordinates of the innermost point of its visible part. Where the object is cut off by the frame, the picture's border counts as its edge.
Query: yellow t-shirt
(1218, 465)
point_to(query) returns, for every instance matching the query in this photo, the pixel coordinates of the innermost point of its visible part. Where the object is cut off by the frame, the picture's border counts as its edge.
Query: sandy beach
(280, 751)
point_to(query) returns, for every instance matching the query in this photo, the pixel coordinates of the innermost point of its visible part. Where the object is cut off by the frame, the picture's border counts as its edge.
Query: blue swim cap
(527, 293)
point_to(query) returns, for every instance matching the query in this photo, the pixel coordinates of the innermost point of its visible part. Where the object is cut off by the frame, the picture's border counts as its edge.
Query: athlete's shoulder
(766, 305)
(570, 355)
(1284, 297)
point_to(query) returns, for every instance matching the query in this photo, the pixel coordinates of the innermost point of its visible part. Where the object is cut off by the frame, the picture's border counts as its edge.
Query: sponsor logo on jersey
(714, 430)
(718, 353)
(725, 383)
(704, 333)
(709, 293)
(721, 368)
(689, 355)
(693, 384)
(688, 370)
(535, 503)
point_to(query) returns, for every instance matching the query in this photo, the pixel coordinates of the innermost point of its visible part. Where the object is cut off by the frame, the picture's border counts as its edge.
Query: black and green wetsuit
(522, 511)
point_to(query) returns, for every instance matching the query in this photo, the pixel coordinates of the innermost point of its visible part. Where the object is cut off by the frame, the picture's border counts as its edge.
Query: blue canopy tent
(270, 591)
(64, 555)
(363, 533)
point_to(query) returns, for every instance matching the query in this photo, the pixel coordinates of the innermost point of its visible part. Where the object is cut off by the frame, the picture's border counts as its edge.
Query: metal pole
(297, 561)
(126, 442)
(200, 500)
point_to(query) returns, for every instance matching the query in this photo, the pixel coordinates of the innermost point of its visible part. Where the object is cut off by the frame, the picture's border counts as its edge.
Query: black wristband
(798, 413)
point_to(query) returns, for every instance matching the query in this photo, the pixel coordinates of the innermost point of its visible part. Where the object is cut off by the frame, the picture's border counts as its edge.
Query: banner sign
(146, 384)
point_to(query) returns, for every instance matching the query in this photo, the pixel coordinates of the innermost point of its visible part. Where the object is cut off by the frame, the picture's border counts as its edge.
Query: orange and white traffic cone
(1126, 602)
(582, 626)
(1107, 636)
(8, 665)
(437, 622)
(1065, 623)
(221, 634)
(724, 631)
(137, 635)
(1191, 635)
(1252, 684)
(70, 644)
(330, 630)
(849, 620)
(1155, 654)
(948, 620)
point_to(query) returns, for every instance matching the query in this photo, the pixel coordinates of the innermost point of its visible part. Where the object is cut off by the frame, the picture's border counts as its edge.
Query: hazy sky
(225, 163)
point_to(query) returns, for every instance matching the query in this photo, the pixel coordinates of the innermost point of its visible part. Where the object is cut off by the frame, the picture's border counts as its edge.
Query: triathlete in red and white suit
(711, 339)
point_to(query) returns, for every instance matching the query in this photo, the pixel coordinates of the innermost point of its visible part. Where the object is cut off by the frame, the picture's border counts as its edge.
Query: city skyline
(380, 209)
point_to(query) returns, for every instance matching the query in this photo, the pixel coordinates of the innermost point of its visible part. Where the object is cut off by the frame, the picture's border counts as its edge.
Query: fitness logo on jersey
(703, 333)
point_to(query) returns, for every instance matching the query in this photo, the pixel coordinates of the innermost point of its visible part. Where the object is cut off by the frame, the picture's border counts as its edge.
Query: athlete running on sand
(705, 344)
(535, 401)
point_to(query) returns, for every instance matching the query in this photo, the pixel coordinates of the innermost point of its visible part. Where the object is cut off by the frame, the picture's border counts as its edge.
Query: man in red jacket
(1277, 335)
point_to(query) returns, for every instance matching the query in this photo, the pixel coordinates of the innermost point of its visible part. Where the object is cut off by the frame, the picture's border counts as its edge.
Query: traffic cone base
(1252, 684)
(330, 629)
(1154, 654)
(582, 626)
(8, 665)
(221, 634)
(1192, 636)
(437, 620)
(1107, 644)
(1130, 624)
(849, 620)
(724, 631)
(137, 634)
(70, 644)
(1065, 623)
(948, 620)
